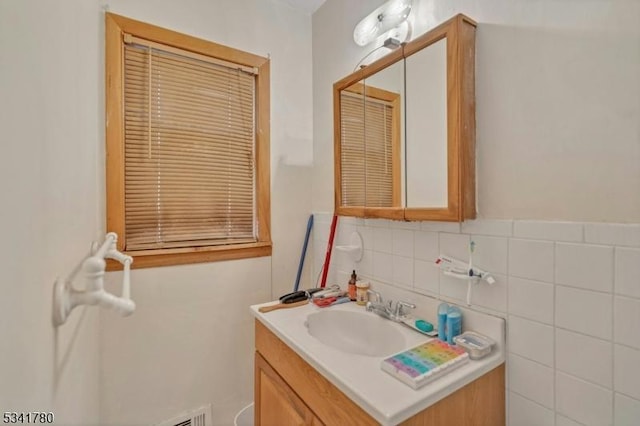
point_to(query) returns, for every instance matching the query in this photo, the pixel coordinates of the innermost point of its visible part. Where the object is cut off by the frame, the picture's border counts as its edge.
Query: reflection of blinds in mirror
(366, 151)
(189, 151)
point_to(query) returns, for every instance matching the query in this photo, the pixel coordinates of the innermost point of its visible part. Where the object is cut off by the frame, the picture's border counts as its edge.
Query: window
(187, 146)
(370, 138)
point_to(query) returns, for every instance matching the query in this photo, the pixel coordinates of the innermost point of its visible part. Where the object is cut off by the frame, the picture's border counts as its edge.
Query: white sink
(360, 333)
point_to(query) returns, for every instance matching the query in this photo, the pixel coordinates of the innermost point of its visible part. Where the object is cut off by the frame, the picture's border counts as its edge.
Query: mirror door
(369, 154)
(426, 180)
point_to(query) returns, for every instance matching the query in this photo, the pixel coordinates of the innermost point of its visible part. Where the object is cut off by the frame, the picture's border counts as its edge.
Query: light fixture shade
(381, 20)
(401, 32)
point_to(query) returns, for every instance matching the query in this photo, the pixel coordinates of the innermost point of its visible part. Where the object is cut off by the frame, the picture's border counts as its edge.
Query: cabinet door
(276, 403)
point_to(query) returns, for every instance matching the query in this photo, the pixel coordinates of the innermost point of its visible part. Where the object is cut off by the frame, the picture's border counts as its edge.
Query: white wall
(558, 108)
(50, 121)
(190, 342)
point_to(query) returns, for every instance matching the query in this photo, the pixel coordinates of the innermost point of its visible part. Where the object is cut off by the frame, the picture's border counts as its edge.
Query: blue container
(443, 308)
(454, 323)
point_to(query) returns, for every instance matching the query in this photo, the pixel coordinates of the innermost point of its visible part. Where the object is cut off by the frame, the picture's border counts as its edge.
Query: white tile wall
(627, 271)
(563, 421)
(587, 312)
(531, 259)
(383, 266)
(531, 380)
(453, 288)
(570, 293)
(531, 299)
(530, 339)
(490, 253)
(456, 245)
(555, 231)
(365, 266)
(524, 412)
(627, 411)
(426, 277)
(426, 245)
(440, 226)
(377, 223)
(402, 242)
(613, 234)
(366, 232)
(627, 373)
(492, 296)
(626, 321)
(577, 354)
(383, 240)
(403, 271)
(584, 402)
(585, 266)
(412, 226)
(488, 227)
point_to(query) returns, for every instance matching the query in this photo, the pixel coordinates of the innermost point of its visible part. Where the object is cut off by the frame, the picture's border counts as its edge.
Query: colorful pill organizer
(424, 363)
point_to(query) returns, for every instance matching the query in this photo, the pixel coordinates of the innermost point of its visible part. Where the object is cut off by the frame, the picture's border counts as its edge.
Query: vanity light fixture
(385, 18)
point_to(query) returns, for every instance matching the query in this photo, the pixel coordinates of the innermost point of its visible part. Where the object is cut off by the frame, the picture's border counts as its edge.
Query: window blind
(189, 150)
(366, 151)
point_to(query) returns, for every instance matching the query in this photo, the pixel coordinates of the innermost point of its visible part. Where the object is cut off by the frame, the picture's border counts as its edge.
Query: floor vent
(198, 417)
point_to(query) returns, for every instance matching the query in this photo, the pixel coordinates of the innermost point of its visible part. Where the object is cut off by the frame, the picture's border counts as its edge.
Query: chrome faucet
(399, 310)
(386, 310)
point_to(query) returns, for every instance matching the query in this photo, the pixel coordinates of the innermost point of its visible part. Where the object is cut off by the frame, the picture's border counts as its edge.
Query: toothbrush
(472, 246)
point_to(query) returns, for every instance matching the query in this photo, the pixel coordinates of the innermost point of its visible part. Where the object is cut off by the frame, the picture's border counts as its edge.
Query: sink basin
(358, 333)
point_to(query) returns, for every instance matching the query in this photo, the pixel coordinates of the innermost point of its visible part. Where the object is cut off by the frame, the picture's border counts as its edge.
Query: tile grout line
(591, 290)
(583, 334)
(532, 360)
(508, 313)
(534, 402)
(555, 336)
(536, 321)
(506, 323)
(613, 337)
(626, 395)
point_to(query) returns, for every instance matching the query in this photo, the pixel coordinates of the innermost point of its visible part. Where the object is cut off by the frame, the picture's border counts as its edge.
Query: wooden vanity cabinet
(289, 391)
(278, 403)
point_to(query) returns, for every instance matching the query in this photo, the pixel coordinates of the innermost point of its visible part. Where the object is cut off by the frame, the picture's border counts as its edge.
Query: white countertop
(360, 377)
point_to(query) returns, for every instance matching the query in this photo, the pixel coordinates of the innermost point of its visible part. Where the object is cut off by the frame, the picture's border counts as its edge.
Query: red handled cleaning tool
(327, 258)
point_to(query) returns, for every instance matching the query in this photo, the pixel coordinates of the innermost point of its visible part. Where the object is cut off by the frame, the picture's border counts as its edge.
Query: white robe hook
(65, 297)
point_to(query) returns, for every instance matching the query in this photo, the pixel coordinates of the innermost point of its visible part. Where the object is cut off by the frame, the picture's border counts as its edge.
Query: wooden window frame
(116, 26)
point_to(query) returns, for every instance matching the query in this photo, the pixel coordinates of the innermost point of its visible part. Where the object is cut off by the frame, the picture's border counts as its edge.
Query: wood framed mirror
(404, 130)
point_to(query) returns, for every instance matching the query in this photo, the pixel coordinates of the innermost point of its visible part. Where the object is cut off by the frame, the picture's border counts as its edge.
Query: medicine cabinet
(404, 130)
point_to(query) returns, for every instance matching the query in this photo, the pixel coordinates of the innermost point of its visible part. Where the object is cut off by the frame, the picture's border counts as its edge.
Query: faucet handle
(400, 305)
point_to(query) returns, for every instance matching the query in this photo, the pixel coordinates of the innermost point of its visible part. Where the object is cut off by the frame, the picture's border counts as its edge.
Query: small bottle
(361, 292)
(454, 324)
(352, 286)
(443, 308)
